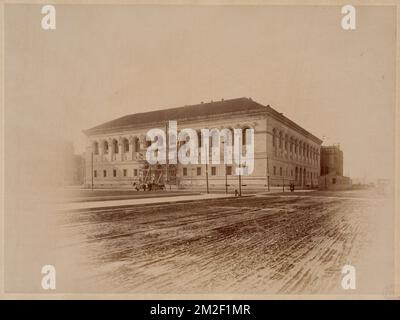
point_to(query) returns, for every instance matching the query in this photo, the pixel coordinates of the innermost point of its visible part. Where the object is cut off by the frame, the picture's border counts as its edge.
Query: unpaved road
(291, 243)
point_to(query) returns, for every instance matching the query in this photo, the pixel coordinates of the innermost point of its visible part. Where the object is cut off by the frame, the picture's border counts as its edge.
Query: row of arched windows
(115, 146)
(294, 145)
(104, 146)
(223, 137)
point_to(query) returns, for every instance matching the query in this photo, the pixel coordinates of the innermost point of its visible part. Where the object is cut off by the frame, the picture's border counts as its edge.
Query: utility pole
(91, 161)
(240, 175)
(207, 175)
(226, 181)
(207, 153)
(167, 155)
(226, 175)
(266, 149)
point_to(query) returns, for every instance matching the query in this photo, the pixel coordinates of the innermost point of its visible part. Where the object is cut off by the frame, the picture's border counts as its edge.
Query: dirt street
(284, 243)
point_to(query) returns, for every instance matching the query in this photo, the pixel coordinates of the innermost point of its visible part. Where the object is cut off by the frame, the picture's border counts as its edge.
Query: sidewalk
(142, 201)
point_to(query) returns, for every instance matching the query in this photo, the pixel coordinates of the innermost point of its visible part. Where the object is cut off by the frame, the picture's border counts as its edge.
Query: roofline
(279, 116)
(89, 132)
(267, 110)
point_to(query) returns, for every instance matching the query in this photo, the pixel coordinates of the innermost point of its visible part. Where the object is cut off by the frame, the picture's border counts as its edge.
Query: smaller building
(71, 165)
(331, 160)
(331, 177)
(334, 182)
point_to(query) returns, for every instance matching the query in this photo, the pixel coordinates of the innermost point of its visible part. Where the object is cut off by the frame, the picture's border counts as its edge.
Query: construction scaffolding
(158, 174)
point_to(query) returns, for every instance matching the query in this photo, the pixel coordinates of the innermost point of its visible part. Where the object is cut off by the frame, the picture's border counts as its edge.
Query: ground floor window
(274, 170)
(184, 171)
(125, 172)
(104, 173)
(114, 173)
(95, 173)
(213, 171)
(228, 170)
(199, 171)
(135, 172)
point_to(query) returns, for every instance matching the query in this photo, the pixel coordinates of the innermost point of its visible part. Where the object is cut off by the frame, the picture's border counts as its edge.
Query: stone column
(120, 149)
(101, 150)
(110, 149)
(131, 148)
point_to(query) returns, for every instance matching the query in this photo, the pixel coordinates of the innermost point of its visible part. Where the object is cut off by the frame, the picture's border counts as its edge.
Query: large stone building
(284, 152)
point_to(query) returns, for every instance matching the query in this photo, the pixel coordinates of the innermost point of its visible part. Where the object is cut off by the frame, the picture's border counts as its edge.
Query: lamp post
(226, 181)
(226, 174)
(207, 156)
(240, 175)
(167, 156)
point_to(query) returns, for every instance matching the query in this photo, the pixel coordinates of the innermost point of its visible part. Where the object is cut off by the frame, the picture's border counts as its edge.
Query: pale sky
(103, 62)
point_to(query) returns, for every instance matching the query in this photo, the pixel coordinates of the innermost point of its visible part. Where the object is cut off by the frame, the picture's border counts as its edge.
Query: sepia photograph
(189, 150)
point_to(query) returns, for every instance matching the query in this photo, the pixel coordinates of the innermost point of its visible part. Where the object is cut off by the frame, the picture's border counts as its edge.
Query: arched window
(95, 147)
(136, 144)
(244, 135)
(274, 137)
(286, 142)
(227, 135)
(291, 144)
(115, 146)
(199, 138)
(280, 140)
(125, 143)
(105, 147)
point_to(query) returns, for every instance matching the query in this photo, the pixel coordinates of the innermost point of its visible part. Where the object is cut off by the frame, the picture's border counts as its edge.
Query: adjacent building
(331, 160)
(332, 169)
(284, 152)
(72, 165)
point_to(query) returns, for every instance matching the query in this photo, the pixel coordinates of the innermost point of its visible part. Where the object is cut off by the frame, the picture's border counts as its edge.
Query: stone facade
(332, 181)
(331, 160)
(331, 176)
(284, 152)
